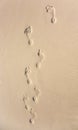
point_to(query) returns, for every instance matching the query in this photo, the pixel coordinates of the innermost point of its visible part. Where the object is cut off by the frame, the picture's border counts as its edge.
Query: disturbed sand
(38, 65)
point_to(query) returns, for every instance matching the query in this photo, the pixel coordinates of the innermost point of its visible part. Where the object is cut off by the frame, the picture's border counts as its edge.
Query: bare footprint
(25, 99)
(27, 72)
(41, 56)
(53, 18)
(35, 98)
(33, 116)
(51, 10)
(28, 32)
(37, 91)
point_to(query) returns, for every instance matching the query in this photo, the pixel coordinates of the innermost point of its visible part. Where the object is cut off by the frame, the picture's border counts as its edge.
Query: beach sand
(38, 65)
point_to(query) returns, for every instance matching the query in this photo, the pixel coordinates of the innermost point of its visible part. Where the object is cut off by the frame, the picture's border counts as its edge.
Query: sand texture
(38, 65)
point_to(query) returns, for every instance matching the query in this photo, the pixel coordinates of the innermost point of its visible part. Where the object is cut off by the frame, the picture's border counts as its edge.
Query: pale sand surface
(56, 78)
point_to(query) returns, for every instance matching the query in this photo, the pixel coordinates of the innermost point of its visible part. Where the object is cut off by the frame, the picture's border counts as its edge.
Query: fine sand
(38, 65)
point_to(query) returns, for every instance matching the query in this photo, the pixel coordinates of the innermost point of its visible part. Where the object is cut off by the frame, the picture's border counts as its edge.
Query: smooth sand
(47, 97)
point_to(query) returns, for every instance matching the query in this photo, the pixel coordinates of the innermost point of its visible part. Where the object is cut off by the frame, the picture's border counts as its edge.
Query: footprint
(37, 91)
(53, 18)
(35, 98)
(41, 56)
(28, 32)
(33, 116)
(51, 10)
(25, 99)
(27, 72)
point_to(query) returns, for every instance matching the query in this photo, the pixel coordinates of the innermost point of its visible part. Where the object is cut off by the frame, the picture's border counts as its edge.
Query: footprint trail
(37, 92)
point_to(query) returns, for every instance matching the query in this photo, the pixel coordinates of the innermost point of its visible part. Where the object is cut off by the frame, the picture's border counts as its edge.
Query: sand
(38, 65)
